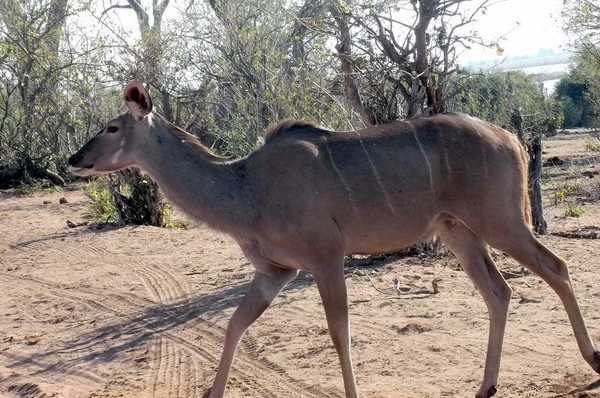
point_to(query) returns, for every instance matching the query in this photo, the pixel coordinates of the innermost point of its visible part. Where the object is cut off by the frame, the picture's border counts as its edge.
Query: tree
(259, 62)
(136, 196)
(31, 68)
(49, 66)
(580, 89)
(497, 95)
(582, 20)
(579, 92)
(145, 58)
(396, 67)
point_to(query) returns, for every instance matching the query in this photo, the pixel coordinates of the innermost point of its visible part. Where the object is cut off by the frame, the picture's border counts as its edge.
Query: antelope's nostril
(74, 159)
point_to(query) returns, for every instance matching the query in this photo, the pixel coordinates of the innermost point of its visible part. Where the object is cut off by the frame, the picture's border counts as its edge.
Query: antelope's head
(114, 148)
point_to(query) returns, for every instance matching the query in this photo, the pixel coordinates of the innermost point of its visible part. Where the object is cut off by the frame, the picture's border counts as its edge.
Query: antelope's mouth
(82, 171)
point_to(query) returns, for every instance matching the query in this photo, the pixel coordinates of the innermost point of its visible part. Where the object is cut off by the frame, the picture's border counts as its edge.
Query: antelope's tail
(525, 186)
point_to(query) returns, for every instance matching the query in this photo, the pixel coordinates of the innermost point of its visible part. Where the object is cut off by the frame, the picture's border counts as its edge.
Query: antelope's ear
(137, 99)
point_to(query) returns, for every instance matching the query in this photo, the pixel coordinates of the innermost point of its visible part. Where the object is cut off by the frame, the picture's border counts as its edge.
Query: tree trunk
(427, 12)
(344, 50)
(534, 149)
(535, 186)
(166, 104)
(144, 204)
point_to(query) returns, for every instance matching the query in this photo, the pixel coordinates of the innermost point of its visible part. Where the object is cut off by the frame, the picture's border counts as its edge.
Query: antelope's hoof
(490, 392)
(206, 393)
(596, 364)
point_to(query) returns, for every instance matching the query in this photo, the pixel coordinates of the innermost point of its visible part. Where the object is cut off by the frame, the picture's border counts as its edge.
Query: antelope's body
(309, 196)
(384, 188)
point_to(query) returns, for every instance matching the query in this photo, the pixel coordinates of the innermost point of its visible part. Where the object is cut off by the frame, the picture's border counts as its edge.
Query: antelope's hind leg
(473, 255)
(523, 246)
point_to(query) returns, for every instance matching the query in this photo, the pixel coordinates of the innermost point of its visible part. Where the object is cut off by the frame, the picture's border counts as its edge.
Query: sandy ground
(141, 311)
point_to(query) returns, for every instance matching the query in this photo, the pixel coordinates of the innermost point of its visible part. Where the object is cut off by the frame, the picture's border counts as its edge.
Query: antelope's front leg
(265, 286)
(332, 288)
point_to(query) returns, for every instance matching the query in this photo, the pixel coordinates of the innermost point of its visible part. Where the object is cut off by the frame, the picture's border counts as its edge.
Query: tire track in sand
(90, 249)
(256, 376)
(163, 286)
(254, 373)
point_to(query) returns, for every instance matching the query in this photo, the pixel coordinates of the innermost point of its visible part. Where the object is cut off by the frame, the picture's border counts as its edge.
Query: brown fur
(524, 177)
(525, 188)
(188, 138)
(277, 130)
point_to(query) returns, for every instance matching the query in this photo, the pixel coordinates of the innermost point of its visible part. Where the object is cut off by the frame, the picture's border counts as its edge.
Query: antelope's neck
(207, 188)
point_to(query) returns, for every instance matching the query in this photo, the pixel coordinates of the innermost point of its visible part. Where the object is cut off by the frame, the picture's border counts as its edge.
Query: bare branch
(142, 15)
(344, 52)
(115, 6)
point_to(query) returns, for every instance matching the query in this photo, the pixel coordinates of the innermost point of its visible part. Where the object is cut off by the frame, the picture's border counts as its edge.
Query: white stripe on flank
(339, 173)
(377, 175)
(441, 134)
(448, 163)
(425, 157)
(485, 169)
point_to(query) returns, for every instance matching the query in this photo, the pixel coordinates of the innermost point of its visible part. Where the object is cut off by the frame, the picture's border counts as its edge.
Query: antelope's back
(424, 156)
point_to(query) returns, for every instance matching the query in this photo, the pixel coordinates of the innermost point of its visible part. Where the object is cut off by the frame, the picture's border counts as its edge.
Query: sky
(539, 27)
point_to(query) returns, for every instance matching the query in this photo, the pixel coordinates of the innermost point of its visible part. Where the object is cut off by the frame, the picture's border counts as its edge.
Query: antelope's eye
(112, 129)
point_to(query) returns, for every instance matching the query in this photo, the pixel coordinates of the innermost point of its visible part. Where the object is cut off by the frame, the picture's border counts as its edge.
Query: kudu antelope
(309, 196)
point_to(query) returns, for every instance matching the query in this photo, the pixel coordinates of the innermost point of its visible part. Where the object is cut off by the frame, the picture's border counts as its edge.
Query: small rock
(63, 201)
(412, 328)
(525, 300)
(30, 340)
(47, 202)
(434, 285)
(554, 161)
(71, 224)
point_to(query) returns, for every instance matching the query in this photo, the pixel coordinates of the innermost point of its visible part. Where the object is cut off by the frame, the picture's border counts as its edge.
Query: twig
(376, 288)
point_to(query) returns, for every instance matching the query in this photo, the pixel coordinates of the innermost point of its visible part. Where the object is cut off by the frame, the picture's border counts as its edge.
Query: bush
(592, 145)
(102, 207)
(137, 198)
(130, 196)
(576, 211)
(566, 190)
(38, 186)
(496, 96)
